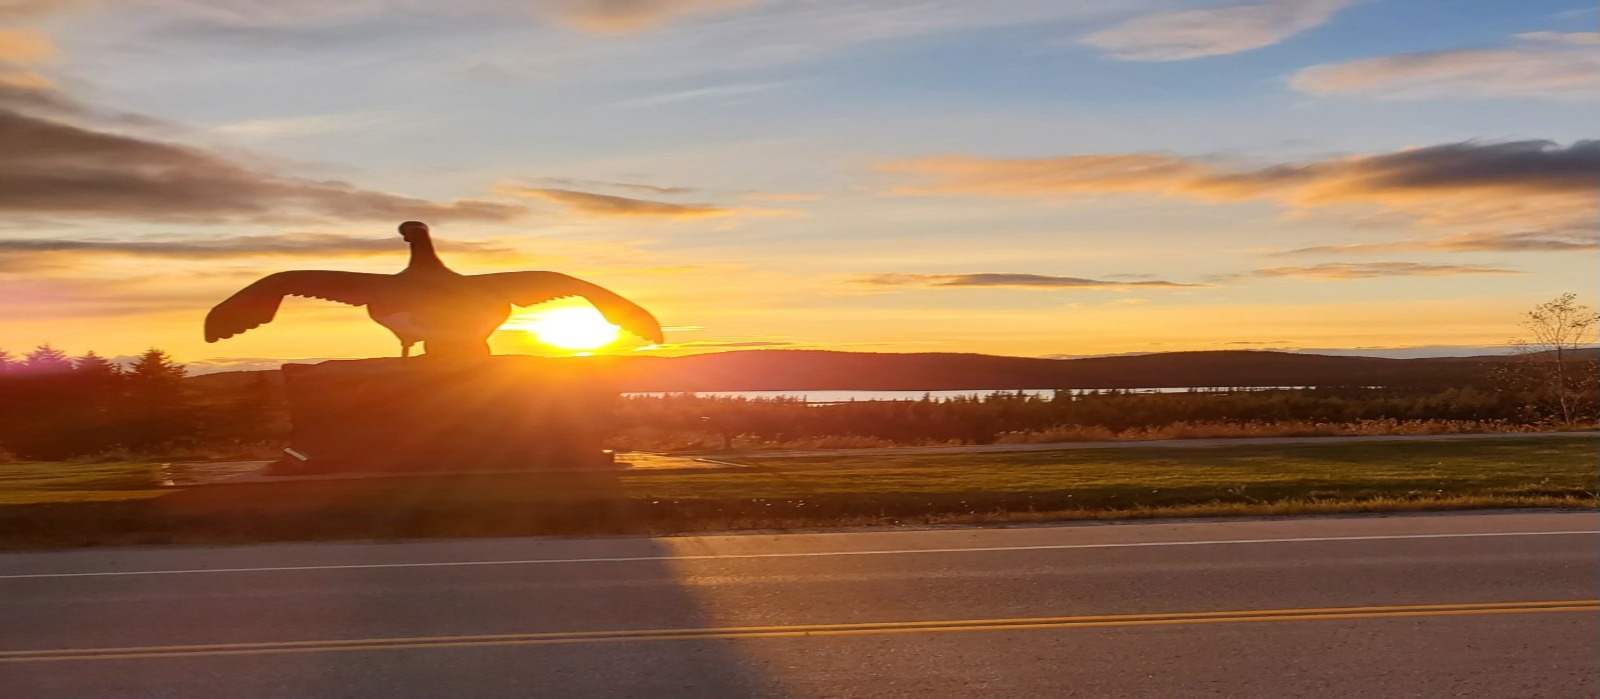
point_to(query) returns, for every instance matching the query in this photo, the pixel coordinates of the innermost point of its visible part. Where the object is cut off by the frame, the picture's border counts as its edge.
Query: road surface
(1488, 605)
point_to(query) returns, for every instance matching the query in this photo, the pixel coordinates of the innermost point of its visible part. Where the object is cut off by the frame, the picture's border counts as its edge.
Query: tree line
(726, 421)
(53, 406)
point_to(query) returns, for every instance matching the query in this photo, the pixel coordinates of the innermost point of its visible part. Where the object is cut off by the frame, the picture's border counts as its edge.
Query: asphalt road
(1419, 606)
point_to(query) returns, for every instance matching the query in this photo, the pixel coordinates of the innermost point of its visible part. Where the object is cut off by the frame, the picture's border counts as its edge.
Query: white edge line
(800, 554)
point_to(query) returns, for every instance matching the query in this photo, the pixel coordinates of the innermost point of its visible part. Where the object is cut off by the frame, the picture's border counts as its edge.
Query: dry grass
(707, 442)
(59, 505)
(1284, 508)
(1291, 428)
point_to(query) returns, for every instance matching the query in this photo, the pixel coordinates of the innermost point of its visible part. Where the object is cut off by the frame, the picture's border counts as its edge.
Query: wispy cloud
(51, 298)
(1014, 281)
(695, 94)
(1519, 185)
(1528, 241)
(628, 16)
(295, 126)
(611, 205)
(591, 16)
(1363, 270)
(1544, 65)
(569, 183)
(1177, 36)
(782, 196)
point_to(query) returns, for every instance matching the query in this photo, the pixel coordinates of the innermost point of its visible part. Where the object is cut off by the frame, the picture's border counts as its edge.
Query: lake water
(824, 397)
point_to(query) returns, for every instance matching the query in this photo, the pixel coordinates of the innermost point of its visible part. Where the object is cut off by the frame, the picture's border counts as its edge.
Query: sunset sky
(1022, 177)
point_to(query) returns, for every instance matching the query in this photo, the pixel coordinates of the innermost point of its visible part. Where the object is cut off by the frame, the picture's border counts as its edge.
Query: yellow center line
(748, 632)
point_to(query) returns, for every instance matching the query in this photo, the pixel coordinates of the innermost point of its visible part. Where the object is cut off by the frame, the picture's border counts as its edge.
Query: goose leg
(405, 350)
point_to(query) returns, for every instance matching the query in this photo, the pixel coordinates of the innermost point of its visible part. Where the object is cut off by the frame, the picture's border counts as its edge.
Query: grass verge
(64, 505)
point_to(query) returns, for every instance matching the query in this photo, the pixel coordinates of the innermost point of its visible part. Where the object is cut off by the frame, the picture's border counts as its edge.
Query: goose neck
(423, 255)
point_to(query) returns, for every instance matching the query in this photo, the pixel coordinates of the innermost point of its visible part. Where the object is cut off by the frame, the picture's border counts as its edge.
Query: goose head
(414, 231)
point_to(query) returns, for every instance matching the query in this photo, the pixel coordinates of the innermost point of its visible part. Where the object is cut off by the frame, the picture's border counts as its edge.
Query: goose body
(450, 314)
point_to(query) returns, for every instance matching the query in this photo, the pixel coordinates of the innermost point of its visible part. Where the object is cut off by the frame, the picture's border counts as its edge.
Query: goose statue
(452, 314)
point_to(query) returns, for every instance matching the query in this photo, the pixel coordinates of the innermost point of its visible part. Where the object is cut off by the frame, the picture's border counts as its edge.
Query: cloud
(698, 93)
(627, 16)
(782, 196)
(1177, 36)
(1527, 241)
(295, 126)
(1576, 38)
(277, 14)
(53, 167)
(29, 91)
(593, 16)
(28, 9)
(1013, 281)
(1516, 185)
(1546, 65)
(568, 183)
(289, 245)
(667, 40)
(47, 298)
(24, 45)
(611, 205)
(1364, 270)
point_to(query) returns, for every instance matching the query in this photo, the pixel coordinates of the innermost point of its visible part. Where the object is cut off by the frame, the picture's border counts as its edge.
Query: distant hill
(759, 370)
(755, 370)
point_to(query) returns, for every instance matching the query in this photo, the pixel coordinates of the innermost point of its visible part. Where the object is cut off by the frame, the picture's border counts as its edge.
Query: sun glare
(573, 328)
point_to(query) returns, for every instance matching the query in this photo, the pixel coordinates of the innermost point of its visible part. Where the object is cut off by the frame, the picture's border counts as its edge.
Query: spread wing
(529, 288)
(256, 304)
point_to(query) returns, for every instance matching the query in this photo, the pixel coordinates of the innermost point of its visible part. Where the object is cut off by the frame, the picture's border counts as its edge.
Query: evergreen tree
(45, 359)
(95, 367)
(7, 362)
(156, 367)
(156, 412)
(96, 387)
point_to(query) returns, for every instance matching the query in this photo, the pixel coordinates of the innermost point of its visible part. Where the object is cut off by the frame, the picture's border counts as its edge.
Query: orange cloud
(24, 45)
(1526, 185)
(1365, 270)
(1545, 64)
(627, 16)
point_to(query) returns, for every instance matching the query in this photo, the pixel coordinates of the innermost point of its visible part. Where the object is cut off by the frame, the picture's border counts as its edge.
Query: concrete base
(426, 414)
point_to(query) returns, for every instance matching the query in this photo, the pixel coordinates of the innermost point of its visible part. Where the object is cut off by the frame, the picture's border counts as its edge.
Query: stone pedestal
(426, 414)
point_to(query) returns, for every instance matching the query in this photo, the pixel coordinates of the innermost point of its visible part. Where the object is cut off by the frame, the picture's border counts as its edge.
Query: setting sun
(574, 327)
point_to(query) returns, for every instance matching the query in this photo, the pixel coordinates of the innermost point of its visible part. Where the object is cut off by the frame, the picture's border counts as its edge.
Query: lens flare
(573, 328)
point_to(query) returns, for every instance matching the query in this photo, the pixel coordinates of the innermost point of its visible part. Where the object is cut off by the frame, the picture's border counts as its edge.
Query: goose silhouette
(451, 314)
